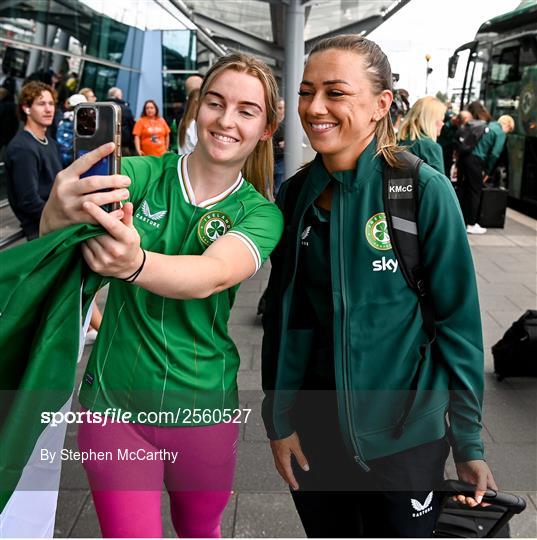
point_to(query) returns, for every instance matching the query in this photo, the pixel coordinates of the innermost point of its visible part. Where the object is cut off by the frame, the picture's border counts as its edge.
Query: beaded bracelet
(133, 276)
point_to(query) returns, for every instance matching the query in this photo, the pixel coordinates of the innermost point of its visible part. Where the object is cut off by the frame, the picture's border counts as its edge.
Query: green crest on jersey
(376, 232)
(212, 226)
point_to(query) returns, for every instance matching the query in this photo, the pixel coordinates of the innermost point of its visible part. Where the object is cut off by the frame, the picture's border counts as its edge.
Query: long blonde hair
(379, 73)
(191, 111)
(259, 166)
(422, 118)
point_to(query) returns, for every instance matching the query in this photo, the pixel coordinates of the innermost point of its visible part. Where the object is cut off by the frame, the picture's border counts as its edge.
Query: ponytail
(387, 141)
(259, 167)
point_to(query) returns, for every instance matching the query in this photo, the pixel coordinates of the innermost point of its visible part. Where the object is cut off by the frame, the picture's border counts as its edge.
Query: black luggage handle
(513, 503)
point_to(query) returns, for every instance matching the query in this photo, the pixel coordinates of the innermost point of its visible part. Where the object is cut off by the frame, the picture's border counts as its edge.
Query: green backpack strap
(400, 194)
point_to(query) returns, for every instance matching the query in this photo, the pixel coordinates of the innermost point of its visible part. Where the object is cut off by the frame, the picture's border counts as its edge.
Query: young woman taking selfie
(192, 230)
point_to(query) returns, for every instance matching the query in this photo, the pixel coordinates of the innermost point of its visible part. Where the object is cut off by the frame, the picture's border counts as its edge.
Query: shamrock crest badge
(212, 226)
(376, 232)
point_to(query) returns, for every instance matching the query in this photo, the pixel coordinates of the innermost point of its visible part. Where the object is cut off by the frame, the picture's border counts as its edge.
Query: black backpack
(516, 353)
(468, 135)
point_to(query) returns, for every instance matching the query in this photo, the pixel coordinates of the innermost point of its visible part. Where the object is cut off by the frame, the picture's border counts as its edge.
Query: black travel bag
(493, 207)
(460, 521)
(515, 355)
(468, 135)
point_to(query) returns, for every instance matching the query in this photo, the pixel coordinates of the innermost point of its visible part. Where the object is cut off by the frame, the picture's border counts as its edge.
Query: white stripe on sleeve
(251, 246)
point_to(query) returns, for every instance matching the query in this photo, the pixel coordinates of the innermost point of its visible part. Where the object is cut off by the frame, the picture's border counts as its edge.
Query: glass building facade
(146, 50)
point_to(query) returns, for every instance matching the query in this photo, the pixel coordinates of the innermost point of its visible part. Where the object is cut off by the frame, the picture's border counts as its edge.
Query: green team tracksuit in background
(428, 150)
(490, 146)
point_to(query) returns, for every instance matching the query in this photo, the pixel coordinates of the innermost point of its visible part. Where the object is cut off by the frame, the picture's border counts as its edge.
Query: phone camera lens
(86, 121)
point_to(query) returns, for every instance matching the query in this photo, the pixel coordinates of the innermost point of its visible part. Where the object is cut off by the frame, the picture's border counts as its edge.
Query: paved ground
(261, 505)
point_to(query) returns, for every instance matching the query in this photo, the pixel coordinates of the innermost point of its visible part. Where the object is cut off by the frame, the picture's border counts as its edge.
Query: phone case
(107, 129)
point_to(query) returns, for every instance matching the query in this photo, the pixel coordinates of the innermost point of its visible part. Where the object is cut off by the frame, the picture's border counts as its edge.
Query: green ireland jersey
(170, 357)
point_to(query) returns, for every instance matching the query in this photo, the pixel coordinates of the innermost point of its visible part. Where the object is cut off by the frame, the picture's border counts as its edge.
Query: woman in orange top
(151, 132)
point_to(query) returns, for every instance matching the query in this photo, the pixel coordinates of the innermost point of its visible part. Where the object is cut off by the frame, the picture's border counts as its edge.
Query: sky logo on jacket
(384, 264)
(376, 232)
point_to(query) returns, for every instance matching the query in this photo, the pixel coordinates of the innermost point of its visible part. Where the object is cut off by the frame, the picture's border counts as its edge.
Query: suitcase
(460, 521)
(493, 207)
(515, 355)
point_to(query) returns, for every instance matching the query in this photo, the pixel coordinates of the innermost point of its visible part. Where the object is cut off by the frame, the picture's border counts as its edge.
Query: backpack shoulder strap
(400, 194)
(294, 185)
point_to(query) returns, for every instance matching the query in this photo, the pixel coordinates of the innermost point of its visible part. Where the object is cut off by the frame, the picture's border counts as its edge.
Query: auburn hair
(30, 92)
(259, 166)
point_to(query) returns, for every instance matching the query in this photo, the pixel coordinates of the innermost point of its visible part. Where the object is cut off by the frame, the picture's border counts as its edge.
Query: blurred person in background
(479, 111)
(8, 119)
(399, 107)
(115, 95)
(476, 167)
(32, 158)
(89, 94)
(193, 82)
(151, 132)
(278, 144)
(421, 128)
(187, 136)
(446, 139)
(65, 132)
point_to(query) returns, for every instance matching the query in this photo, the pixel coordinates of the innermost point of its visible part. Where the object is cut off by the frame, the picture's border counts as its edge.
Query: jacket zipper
(358, 457)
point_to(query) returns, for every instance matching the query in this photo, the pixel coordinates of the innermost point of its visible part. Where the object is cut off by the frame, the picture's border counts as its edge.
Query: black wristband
(133, 276)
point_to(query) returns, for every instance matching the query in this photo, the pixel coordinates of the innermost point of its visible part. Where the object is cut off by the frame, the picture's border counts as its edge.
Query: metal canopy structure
(282, 32)
(258, 26)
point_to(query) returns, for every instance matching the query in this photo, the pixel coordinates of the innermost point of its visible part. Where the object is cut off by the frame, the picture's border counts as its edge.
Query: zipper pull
(362, 463)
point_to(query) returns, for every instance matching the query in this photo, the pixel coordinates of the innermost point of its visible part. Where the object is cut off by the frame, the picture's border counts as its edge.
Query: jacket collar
(366, 167)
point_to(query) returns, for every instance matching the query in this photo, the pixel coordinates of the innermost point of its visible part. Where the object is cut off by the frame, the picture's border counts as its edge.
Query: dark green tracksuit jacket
(490, 146)
(377, 325)
(428, 150)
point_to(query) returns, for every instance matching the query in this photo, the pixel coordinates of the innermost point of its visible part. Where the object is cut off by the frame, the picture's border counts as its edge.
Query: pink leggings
(126, 485)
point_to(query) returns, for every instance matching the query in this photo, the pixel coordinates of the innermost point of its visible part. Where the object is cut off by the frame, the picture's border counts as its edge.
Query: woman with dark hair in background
(151, 132)
(479, 111)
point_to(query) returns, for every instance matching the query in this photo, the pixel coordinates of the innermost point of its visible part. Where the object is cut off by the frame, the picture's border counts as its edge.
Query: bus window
(477, 69)
(528, 55)
(505, 64)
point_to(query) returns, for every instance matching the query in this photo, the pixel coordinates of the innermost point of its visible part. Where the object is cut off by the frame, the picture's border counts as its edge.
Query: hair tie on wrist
(133, 276)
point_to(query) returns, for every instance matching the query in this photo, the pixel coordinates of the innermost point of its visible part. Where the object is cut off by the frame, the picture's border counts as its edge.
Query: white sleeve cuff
(251, 247)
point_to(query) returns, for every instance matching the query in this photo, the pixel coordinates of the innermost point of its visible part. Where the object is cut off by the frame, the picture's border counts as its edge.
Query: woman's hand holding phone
(69, 192)
(118, 253)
